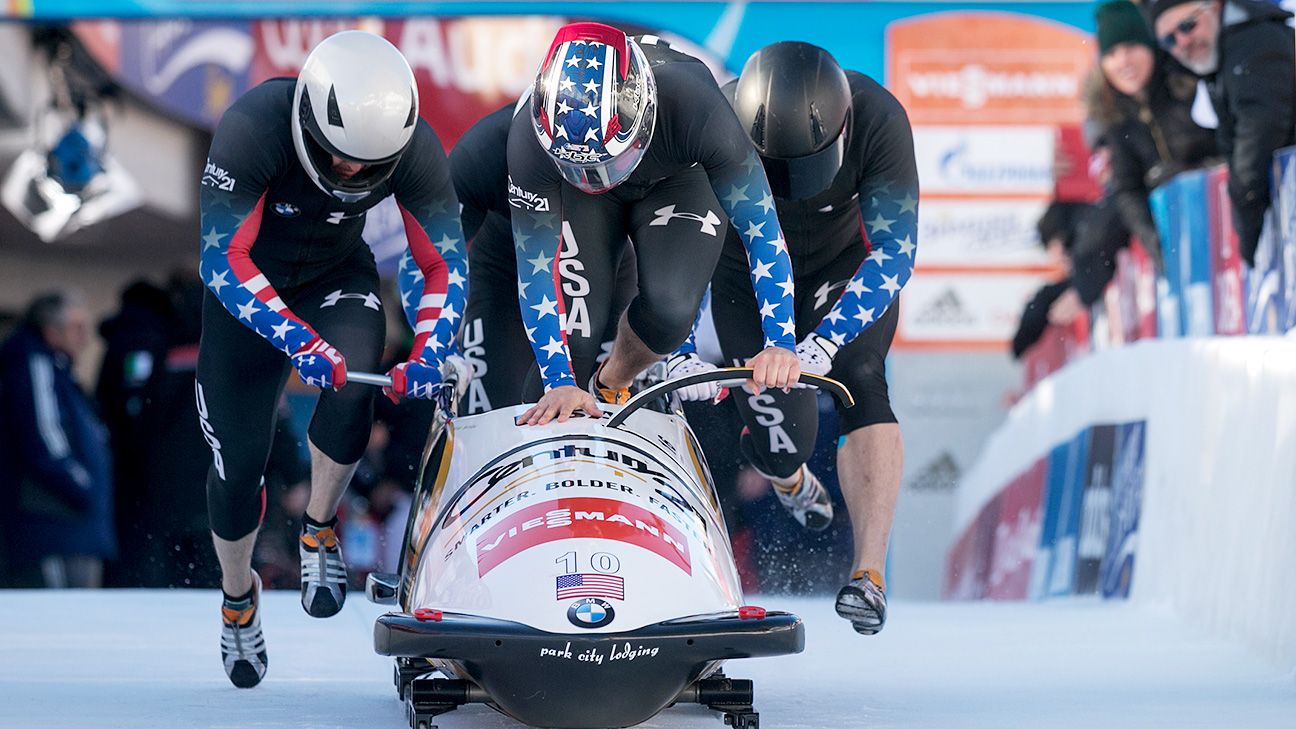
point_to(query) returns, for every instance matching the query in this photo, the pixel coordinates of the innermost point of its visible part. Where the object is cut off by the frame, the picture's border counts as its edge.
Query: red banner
(581, 518)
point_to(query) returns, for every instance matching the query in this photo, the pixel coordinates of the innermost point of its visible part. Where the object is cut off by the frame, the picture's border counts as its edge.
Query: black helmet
(795, 103)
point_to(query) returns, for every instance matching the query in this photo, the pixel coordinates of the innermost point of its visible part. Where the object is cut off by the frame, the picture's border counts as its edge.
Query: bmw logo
(590, 613)
(287, 210)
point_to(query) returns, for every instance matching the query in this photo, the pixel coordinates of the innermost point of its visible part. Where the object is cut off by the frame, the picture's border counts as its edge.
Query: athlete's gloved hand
(320, 365)
(415, 378)
(689, 363)
(458, 370)
(816, 354)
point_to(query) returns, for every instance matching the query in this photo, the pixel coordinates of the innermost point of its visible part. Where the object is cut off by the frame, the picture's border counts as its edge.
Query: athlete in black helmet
(838, 151)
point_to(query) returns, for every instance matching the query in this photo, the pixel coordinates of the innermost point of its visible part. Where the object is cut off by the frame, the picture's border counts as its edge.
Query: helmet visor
(599, 177)
(801, 178)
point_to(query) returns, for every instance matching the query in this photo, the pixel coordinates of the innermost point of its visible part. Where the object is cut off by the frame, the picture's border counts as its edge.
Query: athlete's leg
(678, 231)
(870, 461)
(353, 323)
(239, 379)
(779, 428)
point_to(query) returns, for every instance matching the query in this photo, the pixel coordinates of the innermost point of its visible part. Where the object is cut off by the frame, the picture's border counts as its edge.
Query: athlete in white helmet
(293, 167)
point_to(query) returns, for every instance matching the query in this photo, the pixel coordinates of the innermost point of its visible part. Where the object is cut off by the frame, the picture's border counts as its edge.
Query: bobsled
(573, 575)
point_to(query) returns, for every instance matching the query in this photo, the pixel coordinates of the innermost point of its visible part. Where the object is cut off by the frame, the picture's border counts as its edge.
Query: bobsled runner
(573, 575)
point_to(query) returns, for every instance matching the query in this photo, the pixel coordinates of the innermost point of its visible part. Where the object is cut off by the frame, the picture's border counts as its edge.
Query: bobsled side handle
(369, 378)
(729, 377)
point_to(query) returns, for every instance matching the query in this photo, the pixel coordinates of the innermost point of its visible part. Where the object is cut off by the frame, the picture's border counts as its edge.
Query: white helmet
(355, 99)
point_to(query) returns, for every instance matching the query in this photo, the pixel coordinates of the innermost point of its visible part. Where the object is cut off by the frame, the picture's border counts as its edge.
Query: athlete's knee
(779, 460)
(341, 424)
(662, 322)
(235, 507)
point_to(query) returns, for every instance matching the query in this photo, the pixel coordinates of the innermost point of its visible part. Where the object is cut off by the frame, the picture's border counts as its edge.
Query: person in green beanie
(1144, 113)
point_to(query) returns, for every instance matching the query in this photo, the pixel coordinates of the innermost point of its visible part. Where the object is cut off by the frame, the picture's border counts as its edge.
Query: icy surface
(149, 660)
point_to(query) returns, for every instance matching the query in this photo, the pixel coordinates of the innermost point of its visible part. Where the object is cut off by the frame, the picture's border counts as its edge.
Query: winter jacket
(55, 467)
(1254, 94)
(1150, 142)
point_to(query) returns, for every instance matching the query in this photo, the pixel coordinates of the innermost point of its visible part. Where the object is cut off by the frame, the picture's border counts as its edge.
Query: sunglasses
(1185, 27)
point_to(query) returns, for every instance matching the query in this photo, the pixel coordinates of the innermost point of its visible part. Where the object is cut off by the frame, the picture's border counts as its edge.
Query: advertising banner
(1117, 569)
(1285, 218)
(967, 566)
(1226, 262)
(986, 93)
(980, 233)
(1066, 529)
(1017, 536)
(1194, 251)
(998, 160)
(973, 67)
(1164, 203)
(966, 309)
(1055, 476)
(1265, 282)
(1095, 516)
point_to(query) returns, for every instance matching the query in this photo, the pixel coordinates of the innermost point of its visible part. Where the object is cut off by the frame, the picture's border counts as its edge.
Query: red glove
(320, 365)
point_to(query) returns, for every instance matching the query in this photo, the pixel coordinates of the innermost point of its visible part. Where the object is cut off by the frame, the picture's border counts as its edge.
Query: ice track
(149, 660)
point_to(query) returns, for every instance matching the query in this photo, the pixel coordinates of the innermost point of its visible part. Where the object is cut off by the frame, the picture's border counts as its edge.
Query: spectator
(57, 473)
(1245, 52)
(136, 341)
(1145, 113)
(1058, 302)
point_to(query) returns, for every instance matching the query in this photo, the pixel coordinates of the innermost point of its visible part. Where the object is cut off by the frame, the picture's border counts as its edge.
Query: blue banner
(1164, 203)
(1194, 256)
(1126, 504)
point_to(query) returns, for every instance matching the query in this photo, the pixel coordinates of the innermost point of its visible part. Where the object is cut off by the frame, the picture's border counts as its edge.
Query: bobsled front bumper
(585, 680)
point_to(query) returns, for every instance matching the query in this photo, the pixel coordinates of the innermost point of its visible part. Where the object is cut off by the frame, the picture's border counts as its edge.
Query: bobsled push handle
(369, 378)
(727, 377)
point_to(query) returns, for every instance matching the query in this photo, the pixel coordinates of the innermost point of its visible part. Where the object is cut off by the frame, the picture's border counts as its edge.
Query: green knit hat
(1120, 21)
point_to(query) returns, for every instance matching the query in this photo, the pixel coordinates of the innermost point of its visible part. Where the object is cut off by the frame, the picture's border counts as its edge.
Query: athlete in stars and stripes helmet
(594, 105)
(795, 103)
(356, 101)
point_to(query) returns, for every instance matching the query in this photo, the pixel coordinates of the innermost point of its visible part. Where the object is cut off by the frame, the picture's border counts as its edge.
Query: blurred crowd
(1179, 85)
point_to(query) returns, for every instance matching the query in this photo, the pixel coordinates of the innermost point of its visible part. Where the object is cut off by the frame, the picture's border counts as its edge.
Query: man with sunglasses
(1245, 52)
(294, 165)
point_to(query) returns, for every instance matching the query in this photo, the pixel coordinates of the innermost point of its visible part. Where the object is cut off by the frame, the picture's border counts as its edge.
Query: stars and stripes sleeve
(537, 241)
(738, 179)
(231, 201)
(888, 199)
(433, 272)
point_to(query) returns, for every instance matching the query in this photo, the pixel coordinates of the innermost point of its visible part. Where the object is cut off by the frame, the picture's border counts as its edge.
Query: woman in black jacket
(1143, 110)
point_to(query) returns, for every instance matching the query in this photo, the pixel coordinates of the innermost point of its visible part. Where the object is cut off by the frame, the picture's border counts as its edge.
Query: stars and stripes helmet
(594, 105)
(356, 100)
(795, 103)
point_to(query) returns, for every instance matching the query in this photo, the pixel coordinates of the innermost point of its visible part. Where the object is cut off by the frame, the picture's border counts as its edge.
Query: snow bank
(1194, 495)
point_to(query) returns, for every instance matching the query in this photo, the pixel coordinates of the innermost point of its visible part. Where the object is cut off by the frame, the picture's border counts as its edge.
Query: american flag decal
(571, 587)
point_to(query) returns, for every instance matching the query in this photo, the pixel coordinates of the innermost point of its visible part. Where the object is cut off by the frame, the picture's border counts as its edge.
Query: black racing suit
(284, 263)
(699, 161)
(493, 338)
(852, 249)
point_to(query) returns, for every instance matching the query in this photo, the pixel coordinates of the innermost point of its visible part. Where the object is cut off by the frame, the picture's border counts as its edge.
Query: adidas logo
(945, 309)
(942, 474)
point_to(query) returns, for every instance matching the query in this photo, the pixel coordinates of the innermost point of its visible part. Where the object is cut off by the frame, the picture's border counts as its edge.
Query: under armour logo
(709, 221)
(308, 360)
(336, 218)
(370, 299)
(821, 293)
(421, 390)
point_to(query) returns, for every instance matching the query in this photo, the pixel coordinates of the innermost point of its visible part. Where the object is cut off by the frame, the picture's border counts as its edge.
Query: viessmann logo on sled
(581, 518)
